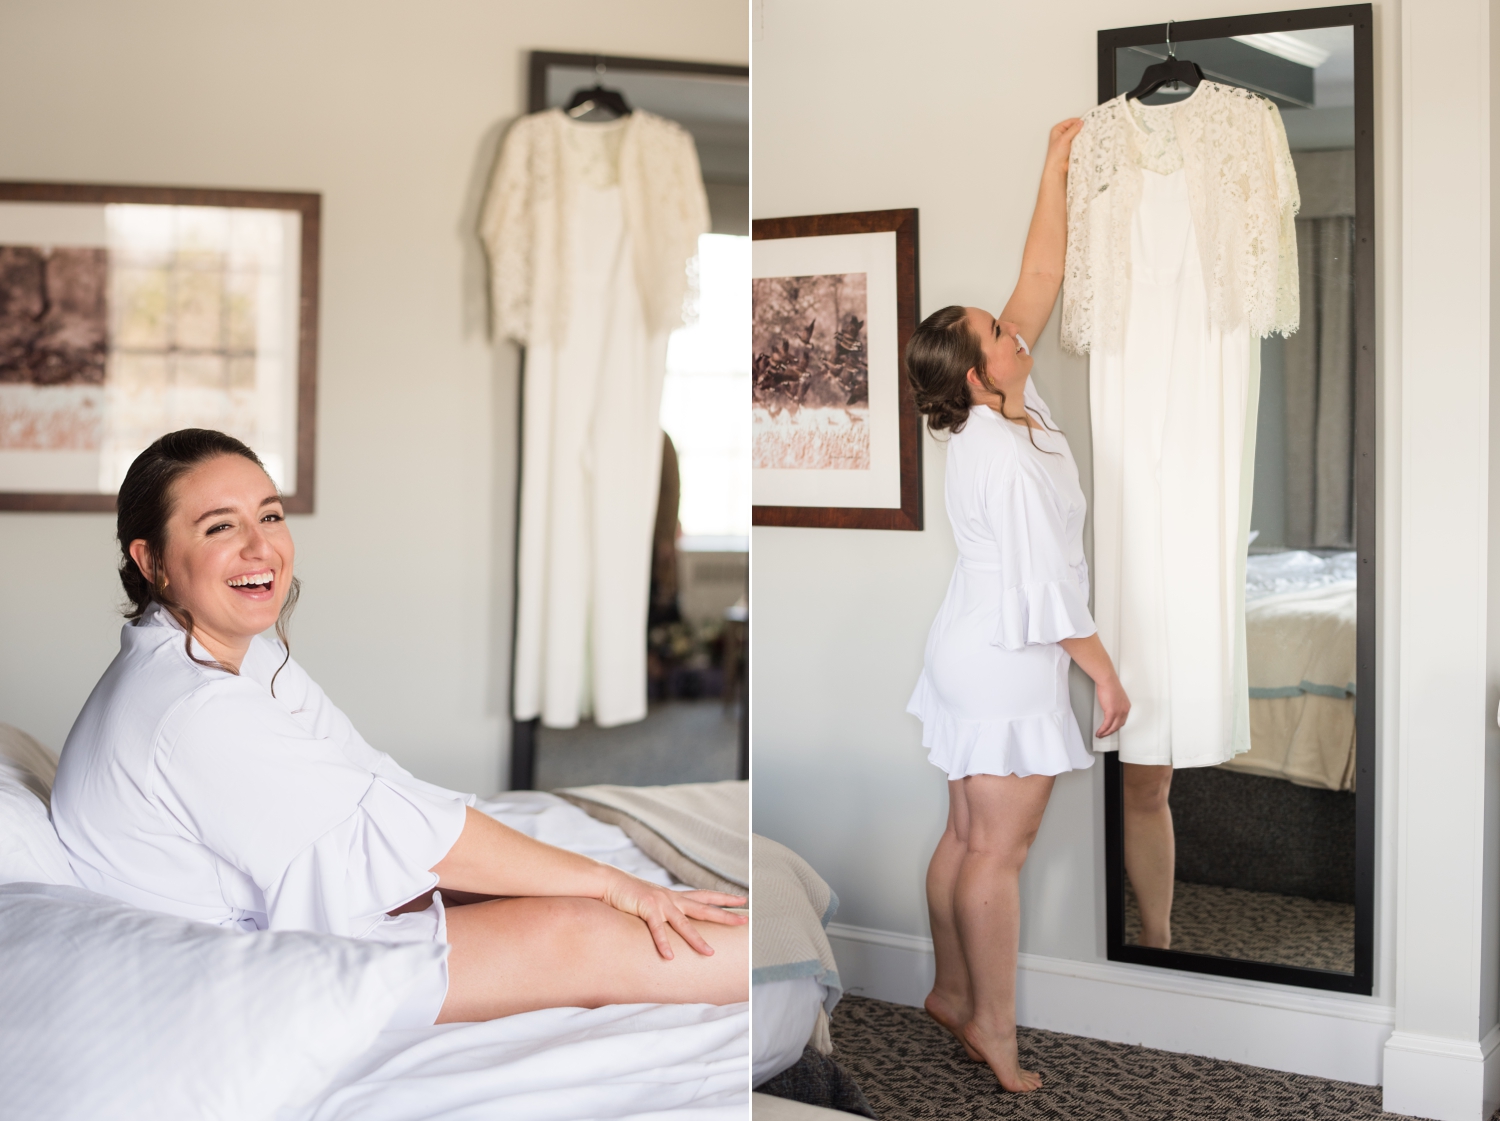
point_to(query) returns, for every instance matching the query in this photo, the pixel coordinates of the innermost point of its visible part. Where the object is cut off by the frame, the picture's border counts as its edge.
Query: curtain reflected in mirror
(1254, 859)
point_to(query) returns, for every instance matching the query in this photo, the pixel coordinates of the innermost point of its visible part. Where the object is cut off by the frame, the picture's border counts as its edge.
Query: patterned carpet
(1255, 926)
(909, 1067)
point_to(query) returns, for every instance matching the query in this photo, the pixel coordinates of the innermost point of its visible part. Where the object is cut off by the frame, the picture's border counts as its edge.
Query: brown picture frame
(908, 516)
(309, 207)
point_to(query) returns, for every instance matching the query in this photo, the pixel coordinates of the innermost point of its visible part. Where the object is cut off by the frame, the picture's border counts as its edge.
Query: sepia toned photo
(129, 312)
(811, 372)
(833, 427)
(53, 343)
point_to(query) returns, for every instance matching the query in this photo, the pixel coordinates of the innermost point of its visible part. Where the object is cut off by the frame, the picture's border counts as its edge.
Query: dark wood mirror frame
(523, 732)
(1359, 17)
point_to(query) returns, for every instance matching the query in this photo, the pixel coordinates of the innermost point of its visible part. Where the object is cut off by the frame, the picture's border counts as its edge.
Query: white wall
(393, 112)
(1441, 1060)
(954, 107)
(945, 106)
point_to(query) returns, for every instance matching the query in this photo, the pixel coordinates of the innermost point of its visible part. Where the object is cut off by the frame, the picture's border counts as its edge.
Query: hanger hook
(1171, 52)
(599, 66)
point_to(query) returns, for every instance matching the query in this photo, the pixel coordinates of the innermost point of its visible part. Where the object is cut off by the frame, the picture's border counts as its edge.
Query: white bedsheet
(680, 1061)
(683, 1062)
(1295, 570)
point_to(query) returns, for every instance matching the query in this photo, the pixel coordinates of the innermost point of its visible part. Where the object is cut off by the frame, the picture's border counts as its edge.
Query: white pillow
(111, 1011)
(38, 765)
(29, 849)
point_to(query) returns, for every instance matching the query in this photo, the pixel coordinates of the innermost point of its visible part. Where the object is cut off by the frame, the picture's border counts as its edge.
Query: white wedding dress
(1174, 382)
(591, 229)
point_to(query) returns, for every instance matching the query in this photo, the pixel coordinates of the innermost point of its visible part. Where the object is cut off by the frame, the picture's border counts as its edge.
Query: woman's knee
(1147, 788)
(1008, 847)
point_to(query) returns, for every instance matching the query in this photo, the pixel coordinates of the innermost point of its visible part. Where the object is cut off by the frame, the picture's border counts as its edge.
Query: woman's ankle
(997, 1029)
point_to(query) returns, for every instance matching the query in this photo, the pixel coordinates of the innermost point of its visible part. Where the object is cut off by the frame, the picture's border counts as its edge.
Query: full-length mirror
(1254, 857)
(630, 641)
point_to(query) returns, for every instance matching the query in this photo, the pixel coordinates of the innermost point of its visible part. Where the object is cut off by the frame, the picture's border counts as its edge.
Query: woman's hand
(1030, 305)
(1060, 142)
(1115, 705)
(660, 908)
(1093, 659)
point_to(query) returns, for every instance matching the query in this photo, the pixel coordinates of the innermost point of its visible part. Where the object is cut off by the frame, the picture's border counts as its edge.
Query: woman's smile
(257, 586)
(230, 565)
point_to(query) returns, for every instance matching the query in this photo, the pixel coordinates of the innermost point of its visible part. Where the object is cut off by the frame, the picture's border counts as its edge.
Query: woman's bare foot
(941, 1010)
(999, 1051)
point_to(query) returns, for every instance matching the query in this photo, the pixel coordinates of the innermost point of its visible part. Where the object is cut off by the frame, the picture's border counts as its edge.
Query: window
(703, 406)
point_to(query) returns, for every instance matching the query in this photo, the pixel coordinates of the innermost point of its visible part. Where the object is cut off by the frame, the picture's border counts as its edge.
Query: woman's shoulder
(129, 714)
(988, 443)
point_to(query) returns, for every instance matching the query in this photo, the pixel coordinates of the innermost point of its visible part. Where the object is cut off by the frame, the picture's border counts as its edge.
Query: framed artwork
(835, 433)
(130, 312)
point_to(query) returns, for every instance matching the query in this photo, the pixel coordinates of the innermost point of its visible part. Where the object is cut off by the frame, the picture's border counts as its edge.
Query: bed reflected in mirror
(1265, 847)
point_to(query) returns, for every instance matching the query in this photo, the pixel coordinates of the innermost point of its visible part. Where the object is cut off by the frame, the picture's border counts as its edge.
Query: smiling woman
(209, 777)
(221, 531)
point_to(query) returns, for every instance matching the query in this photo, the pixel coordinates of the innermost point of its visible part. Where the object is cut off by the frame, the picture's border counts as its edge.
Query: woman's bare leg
(951, 1002)
(1150, 849)
(1005, 813)
(519, 955)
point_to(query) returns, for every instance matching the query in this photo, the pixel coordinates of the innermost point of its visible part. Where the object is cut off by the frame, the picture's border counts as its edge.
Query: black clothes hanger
(1159, 74)
(597, 97)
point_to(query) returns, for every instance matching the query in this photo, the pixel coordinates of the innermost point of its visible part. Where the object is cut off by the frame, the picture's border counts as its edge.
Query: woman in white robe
(208, 776)
(993, 696)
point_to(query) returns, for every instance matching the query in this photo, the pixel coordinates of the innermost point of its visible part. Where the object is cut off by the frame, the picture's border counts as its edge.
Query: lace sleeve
(1288, 203)
(1104, 186)
(1077, 300)
(667, 210)
(506, 230)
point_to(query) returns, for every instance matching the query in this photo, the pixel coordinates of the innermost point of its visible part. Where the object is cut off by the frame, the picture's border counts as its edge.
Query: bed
(1280, 818)
(1300, 637)
(678, 1062)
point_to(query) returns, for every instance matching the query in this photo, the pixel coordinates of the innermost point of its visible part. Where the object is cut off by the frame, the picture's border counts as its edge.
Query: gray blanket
(698, 831)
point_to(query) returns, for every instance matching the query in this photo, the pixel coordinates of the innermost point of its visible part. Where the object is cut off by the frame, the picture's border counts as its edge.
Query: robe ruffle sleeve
(1044, 598)
(326, 833)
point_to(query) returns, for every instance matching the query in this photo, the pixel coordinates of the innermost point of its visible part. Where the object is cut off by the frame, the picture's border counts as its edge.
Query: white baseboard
(1302, 1031)
(1442, 1079)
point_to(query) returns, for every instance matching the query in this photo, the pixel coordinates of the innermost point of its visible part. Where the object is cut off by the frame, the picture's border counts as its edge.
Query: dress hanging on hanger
(597, 99)
(1181, 257)
(591, 229)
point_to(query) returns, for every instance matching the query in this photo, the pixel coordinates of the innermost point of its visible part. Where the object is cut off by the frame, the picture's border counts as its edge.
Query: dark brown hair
(942, 351)
(143, 507)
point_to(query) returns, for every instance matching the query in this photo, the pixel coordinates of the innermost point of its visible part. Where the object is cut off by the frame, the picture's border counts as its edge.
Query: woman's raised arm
(1030, 305)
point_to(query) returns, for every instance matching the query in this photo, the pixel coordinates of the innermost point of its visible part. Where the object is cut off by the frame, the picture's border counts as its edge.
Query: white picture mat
(53, 224)
(879, 487)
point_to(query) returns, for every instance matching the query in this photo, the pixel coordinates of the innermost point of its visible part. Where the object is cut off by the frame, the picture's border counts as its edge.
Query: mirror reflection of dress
(591, 229)
(1182, 255)
(1171, 284)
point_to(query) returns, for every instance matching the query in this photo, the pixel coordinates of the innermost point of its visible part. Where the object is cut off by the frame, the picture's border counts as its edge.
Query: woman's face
(1005, 362)
(228, 551)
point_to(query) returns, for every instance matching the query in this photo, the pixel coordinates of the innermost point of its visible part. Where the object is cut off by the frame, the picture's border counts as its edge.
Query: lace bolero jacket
(1242, 189)
(544, 159)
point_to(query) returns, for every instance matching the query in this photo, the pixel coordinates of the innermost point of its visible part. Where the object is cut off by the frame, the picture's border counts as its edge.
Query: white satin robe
(192, 791)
